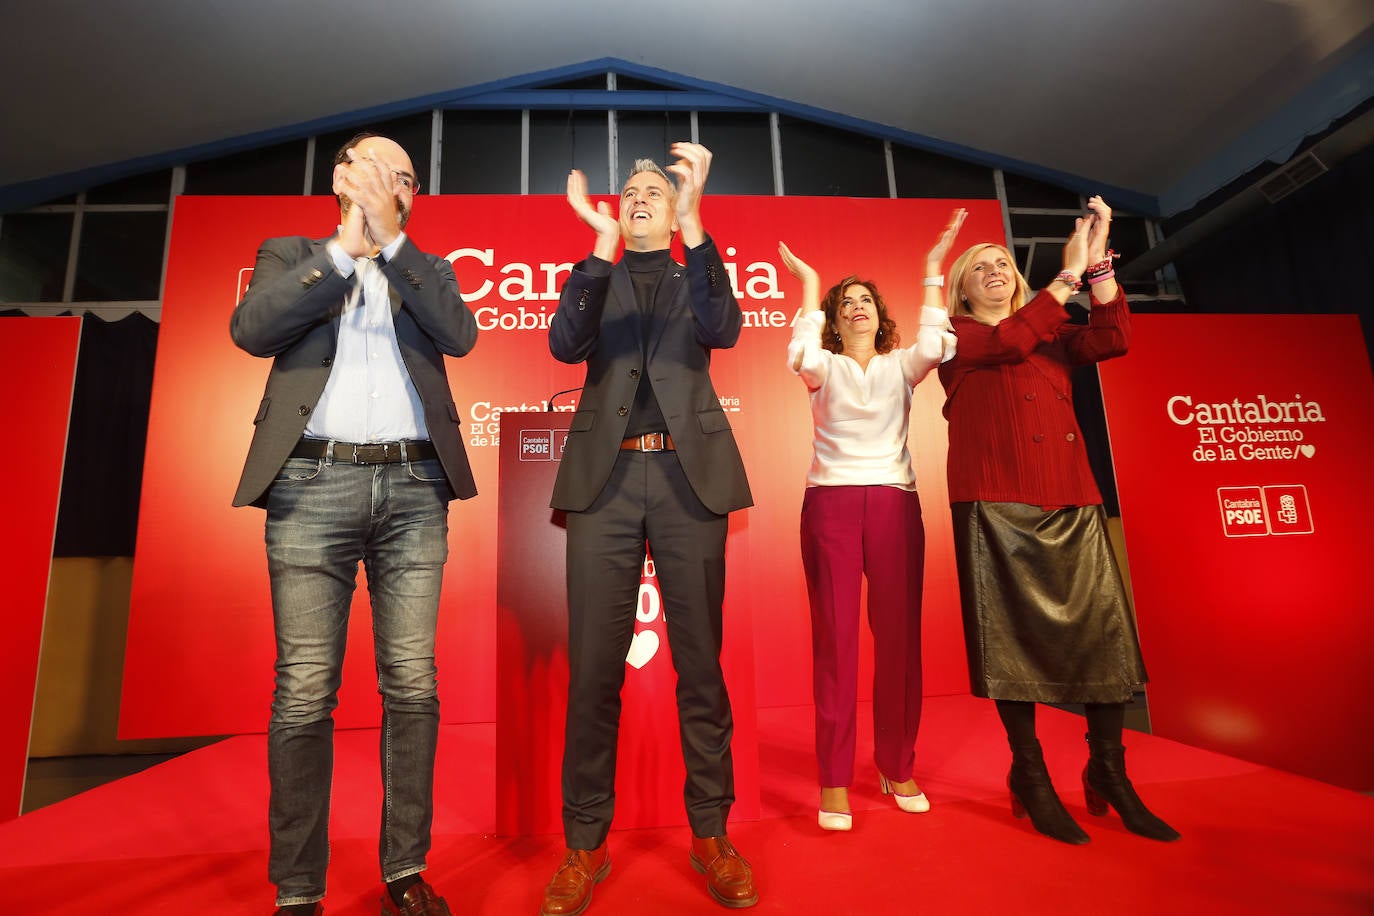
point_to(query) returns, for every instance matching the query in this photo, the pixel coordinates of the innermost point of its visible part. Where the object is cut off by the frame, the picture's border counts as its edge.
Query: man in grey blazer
(650, 457)
(357, 451)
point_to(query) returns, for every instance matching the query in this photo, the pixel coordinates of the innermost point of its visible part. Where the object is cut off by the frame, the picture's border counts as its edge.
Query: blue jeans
(322, 519)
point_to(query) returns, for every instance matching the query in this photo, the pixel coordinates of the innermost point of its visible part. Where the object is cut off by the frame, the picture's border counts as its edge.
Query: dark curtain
(1309, 253)
(103, 477)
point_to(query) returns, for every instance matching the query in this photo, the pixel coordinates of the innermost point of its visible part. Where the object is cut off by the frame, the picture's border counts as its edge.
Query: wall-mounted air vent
(1292, 176)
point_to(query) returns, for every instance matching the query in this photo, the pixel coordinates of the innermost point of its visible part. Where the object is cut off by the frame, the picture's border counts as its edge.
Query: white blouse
(861, 416)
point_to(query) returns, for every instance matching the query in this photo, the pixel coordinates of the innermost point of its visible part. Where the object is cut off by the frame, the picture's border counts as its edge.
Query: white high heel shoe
(834, 820)
(911, 804)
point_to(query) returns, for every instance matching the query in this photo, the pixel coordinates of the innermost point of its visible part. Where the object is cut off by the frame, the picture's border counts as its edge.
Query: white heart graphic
(1307, 450)
(642, 648)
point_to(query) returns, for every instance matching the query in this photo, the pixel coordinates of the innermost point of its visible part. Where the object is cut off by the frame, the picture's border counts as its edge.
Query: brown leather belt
(649, 442)
(365, 453)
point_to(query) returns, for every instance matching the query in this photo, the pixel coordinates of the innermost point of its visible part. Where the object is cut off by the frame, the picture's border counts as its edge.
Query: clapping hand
(599, 218)
(1101, 229)
(795, 265)
(691, 169)
(372, 220)
(935, 261)
(811, 281)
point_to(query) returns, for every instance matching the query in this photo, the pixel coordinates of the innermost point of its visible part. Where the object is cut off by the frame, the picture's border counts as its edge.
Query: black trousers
(647, 498)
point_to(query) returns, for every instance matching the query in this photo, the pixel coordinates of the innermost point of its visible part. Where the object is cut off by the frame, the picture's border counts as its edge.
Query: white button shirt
(861, 416)
(369, 396)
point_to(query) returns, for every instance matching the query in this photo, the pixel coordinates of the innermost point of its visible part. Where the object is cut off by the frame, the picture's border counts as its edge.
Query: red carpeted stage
(190, 836)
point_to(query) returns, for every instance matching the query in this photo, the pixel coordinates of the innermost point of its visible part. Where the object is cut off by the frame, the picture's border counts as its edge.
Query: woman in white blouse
(861, 517)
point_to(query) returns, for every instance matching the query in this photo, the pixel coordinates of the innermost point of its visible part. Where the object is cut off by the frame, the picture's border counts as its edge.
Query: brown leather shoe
(418, 900)
(728, 875)
(570, 891)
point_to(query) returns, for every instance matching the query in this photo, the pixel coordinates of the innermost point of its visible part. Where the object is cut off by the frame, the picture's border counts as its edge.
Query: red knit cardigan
(1013, 436)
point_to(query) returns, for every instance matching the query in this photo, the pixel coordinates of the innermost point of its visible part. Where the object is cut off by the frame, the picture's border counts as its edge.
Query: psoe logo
(536, 445)
(1288, 510)
(1242, 512)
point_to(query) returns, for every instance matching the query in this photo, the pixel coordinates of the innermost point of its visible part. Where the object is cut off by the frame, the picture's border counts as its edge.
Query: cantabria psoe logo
(1259, 511)
(1258, 429)
(521, 296)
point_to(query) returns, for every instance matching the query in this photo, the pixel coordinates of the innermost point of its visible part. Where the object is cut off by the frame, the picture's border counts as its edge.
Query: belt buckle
(651, 442)
(365, 453)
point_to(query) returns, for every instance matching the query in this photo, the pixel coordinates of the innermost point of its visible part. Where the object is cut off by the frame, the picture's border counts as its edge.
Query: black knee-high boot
(1104, 778)
(1029, 780)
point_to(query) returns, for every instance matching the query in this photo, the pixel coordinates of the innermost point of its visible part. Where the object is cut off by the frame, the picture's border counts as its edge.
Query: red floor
(189, 836)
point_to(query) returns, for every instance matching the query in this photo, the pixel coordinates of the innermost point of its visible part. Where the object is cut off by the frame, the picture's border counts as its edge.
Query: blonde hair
(955, 302)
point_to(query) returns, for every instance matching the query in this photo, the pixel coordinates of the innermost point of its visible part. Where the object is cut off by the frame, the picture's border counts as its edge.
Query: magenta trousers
(848, 533)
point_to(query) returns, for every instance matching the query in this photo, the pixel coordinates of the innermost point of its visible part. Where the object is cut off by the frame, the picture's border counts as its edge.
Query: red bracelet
(1103, 265)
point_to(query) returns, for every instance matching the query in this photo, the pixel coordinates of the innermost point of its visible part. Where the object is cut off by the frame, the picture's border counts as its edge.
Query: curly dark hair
(887, 339)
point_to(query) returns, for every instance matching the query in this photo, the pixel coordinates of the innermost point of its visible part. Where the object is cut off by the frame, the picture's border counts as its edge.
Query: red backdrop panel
(200, 637)
(39, 356)
(1242, 448)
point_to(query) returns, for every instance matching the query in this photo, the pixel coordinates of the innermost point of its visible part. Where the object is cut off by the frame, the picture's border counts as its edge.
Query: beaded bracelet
(1069, 279)
(1101, 266)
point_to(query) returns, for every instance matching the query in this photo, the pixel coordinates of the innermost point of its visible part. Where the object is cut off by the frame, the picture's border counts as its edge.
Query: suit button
(1038, 437)
(327, 362)
(634, 373)
(623, 410)
(1061, 397)
(303, 410)
(1030, 395)
(1069, 437)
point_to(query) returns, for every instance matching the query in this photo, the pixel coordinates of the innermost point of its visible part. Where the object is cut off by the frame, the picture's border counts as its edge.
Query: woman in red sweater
(1046, 618)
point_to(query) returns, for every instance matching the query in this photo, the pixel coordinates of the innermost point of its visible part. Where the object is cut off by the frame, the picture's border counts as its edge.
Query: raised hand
(795, 265)
(811, 281)
(1076, 248)
(353, 235)
(691, 169)
(935, 261)
(371, 185)
(1101, 229)
(1105, 289)
(599, 218)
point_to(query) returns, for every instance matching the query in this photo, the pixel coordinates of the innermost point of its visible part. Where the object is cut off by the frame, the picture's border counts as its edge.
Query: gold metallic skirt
(1045, 615)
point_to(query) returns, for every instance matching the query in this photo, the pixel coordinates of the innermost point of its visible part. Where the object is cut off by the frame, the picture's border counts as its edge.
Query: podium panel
(40, 356)
(532, 659)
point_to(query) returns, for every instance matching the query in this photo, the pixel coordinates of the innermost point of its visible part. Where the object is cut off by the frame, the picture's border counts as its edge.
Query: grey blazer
(291, 313)
(599, 322)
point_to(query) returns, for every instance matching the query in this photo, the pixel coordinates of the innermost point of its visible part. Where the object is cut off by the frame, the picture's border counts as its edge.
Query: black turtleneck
(646, 272)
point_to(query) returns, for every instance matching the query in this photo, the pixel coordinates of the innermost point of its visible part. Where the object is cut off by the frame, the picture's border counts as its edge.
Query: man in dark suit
(649, 457)
(356, 453)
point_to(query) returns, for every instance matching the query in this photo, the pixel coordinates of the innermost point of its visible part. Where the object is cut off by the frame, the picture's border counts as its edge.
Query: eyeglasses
(406, 181)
